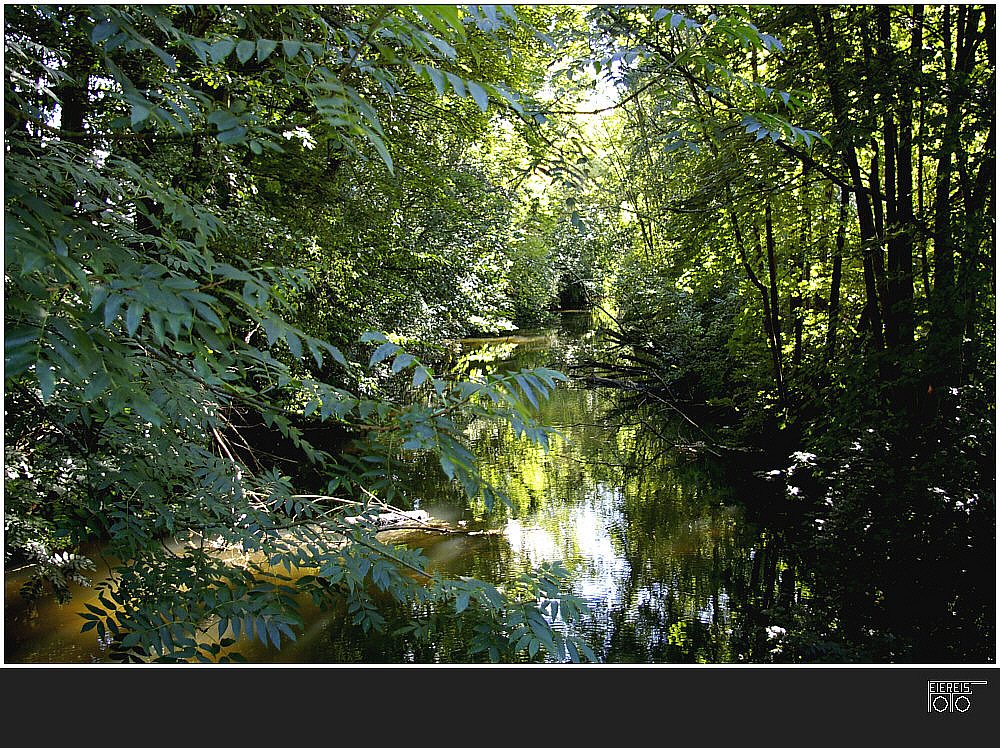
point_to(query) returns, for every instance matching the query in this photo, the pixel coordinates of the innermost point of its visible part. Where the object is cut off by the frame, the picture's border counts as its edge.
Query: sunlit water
(657, 546)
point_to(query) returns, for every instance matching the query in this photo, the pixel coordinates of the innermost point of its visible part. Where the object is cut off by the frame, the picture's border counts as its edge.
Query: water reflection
(671, 569)
(668, 564)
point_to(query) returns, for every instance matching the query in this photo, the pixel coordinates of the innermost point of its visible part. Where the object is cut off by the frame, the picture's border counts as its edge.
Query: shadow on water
(656, 544)
(669, 564)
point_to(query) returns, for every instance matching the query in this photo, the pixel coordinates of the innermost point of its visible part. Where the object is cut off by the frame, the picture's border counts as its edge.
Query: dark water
(655, 541)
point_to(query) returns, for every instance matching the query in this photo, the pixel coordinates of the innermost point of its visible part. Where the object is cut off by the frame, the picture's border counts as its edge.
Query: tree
(750, 106)
(150, 310)
(823, 160)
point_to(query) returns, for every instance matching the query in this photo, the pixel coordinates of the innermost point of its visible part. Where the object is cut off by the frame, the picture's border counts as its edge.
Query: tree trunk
(948, 311)
(773, 340)
(977, 203)
(801, 277)
(901, 244)
(831, 331)
(918, 23)
(826, 37)
(772, 273)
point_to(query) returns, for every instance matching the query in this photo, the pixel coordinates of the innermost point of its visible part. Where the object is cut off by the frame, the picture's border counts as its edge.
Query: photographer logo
(951, 695)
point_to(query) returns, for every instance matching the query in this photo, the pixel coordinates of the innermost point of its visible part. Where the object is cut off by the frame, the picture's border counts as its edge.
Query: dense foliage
(205, 207)
(240, 238)
(811, 210)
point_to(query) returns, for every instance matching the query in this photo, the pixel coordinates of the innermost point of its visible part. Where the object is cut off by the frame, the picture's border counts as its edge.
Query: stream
(656, 543)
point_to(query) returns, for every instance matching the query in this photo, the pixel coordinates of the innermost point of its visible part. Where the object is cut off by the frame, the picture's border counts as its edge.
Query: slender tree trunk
(773, 340)
(897, 180)
(874, 181)
(918, 24)
(901, 249)
(876, 83)
(772, 273)
(977, 200)
(877, 254)
(838, 253)
(642, 210)
(826, 36)
(943, 332)
(73, 94)
(947, 310)
(801, 277)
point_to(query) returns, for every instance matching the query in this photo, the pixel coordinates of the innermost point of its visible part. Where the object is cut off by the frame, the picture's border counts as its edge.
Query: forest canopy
(240, 238)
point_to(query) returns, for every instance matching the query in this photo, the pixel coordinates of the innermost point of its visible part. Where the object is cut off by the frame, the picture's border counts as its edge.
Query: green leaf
(574, 655)
(223, 119)
(96, 386)
(111, 309)
(291, 47)
(451, 14)
(139, 114)
(402, 361)
(19, 336)
(102, 31)
(381, 353)
(456, 83)
(336, 354)
(133, 316)
(586, 650)
(431, 16)
(33, 261)
(294, 344)
(235, 135)
(379, 144)
(317, 353)
(245, 50)
(264, 49)
(447, 466)
(479, 94)
(526, 388)
(437, 78)
(145, 408)
(445, 49)
(221, 49)
(46, 380)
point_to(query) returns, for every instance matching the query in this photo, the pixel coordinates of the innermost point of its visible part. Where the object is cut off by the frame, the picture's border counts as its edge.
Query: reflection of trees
(702, 584)
(699, 583)
(670, 570)
(673, 606)
(692, 582)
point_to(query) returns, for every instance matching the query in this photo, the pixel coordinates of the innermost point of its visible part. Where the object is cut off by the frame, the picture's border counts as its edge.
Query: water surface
(656, 543)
